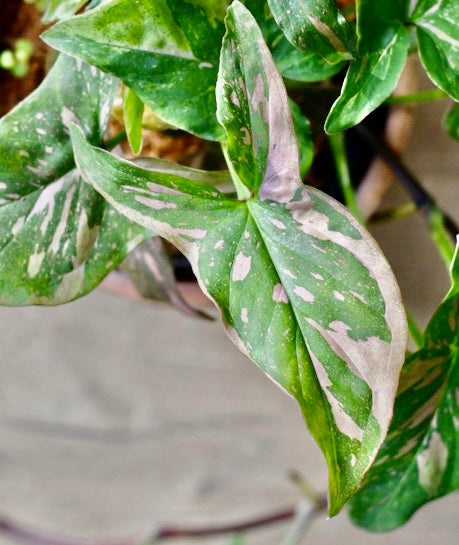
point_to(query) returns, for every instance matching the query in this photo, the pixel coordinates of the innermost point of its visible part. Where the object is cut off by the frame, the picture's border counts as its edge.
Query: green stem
(115, 140)
(421, 96)
(394, 213)
(440, 235)
(338, 150)
(414, 329)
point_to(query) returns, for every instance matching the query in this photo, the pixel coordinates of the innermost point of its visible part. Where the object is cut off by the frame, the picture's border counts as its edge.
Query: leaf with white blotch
(60, 9)
(382, 49)
(451, 121)
(167, 51)
(149, 269)
(419, 460)
(315, 26)
(292, 62)
(58, 237)
(437, 24)
(303, 289)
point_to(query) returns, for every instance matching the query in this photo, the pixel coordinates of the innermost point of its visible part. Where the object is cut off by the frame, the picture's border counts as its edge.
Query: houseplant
(276, 251)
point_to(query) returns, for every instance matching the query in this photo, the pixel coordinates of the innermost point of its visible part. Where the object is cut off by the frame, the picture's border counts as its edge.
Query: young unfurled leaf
(372, 76)
(438, 39)
(151, 272)
(419, 459)
(133, 111)
(315, 26)
(293, 63)
(58, 237)
(167, 51)
(451, 121)
(303, 289)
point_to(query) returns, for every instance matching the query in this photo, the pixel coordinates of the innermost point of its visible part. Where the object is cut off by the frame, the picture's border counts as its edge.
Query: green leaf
(451, 121)
(167, 51)
(438, 39)
(292, 63)
(149, 269)
(382, 50)
(60, 9)
(419, 460)
(58, 237)
(315, 26)
(303, 289)
(303, 134)
(133, 112)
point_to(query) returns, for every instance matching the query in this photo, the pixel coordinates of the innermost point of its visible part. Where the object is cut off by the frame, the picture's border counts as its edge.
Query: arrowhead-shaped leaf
(315, 26)
(167, 51)
(419, 460)
(293, 63)
(303, 289)
(438, 39)
(58, 237)
(373, 74)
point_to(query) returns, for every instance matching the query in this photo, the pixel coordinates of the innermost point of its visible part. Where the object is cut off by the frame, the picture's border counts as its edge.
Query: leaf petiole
(414, 98)
(338, 149)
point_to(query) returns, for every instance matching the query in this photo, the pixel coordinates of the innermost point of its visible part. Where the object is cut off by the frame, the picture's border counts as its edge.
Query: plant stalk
(442, 227)
(414, 330)
(338, 149)
(415, 98)
(399, 212)
(171, 532)
(115, 140)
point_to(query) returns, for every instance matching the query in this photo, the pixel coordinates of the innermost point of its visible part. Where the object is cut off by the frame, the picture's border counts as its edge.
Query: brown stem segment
(32, 537)
(170, 532)
(419, 195)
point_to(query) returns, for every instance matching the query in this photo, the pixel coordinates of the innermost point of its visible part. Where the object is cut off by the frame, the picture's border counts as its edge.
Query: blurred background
(117, 417)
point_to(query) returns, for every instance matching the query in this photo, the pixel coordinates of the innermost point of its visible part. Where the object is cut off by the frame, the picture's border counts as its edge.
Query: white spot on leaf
(338, 295)
(278, 224)
(244, 315)
(279, 294)
(431, 464)
(34, 265)
(155, 204)
(303, 294)
(241, 267)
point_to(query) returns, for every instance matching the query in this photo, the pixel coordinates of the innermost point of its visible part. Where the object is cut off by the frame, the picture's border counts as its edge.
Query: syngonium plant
(302, 287)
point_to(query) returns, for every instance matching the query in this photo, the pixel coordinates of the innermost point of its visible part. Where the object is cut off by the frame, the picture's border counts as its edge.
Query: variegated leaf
(149, 269)
(303, 289)
(167, 51)
(382, 49)
(315, 26)
(58, 237)
(419, 460)
(293, 63)
(438, 39)
(60, 9)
